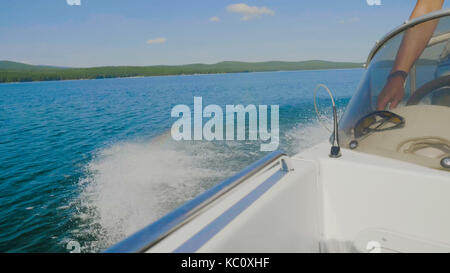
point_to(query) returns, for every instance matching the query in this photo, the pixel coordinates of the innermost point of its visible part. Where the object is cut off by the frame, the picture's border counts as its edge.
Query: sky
(85, 33)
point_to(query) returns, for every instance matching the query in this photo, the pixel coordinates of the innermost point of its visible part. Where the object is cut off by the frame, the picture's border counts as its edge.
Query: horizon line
(214, 63)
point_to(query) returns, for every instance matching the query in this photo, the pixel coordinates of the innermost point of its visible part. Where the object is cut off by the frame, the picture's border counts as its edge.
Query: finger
(381, 105)
(394, 103)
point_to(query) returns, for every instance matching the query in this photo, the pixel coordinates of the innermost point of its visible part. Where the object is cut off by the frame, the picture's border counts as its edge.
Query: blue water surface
(51, 132)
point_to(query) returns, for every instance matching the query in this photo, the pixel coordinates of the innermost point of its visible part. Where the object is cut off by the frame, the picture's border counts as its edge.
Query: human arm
(413, 44)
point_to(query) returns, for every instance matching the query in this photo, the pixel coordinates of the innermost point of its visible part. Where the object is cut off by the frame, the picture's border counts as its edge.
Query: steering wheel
(427, 88)
(378, 121)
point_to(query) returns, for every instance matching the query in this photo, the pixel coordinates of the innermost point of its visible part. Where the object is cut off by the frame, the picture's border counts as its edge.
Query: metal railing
(155, 232)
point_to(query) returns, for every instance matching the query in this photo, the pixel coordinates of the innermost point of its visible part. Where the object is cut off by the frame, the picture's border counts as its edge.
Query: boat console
(418, 129)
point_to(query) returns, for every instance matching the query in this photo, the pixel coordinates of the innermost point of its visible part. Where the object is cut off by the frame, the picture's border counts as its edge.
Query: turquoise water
(92, 161)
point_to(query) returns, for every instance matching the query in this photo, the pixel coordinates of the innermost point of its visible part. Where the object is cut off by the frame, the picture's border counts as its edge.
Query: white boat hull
(356, 203)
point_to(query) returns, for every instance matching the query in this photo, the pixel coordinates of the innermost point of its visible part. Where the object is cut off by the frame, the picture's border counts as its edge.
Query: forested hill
(19, 72)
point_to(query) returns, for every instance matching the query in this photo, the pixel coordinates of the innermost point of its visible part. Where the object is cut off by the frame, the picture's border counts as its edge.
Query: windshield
(418, 129)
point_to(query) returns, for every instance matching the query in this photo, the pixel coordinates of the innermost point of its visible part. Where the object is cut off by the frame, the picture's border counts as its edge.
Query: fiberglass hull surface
(357, 203)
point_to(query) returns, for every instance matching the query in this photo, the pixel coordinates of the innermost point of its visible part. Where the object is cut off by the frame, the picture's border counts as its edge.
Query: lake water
(93, 161)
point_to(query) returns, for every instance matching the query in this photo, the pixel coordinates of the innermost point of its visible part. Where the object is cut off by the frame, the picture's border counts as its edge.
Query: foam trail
(131, 184)
(303, 136)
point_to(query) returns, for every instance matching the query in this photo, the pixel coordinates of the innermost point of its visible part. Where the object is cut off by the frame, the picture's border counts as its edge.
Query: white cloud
(249, 12)
(73, 2)
(160, 40)
(214, 19)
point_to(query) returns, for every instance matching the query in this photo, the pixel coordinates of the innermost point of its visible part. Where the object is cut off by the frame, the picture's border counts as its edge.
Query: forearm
(416, 38)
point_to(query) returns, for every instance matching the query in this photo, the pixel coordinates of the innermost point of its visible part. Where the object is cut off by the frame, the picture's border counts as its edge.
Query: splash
(131, 184)
(304, 136)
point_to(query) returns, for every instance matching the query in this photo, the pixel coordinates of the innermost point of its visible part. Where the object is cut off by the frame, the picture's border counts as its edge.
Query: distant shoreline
(11, 72)
(174, 75)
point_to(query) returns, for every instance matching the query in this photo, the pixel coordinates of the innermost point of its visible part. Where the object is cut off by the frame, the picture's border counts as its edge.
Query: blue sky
(150, 32)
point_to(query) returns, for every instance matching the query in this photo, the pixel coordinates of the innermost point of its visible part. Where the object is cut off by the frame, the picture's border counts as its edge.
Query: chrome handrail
(155, 232)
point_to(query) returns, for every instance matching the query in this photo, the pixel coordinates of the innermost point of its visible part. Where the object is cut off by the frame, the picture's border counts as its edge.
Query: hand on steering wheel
(392, 92)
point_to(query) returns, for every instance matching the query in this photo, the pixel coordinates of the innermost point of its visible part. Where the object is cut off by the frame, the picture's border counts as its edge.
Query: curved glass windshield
(418, 129)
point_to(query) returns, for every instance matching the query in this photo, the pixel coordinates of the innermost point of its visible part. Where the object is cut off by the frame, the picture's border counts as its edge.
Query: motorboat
(384, 187)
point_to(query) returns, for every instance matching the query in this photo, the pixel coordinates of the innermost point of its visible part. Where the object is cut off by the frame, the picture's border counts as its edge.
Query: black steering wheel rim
(427, 88)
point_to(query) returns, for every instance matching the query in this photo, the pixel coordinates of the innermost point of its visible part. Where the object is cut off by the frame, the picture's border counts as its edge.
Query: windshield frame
(407, 24)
